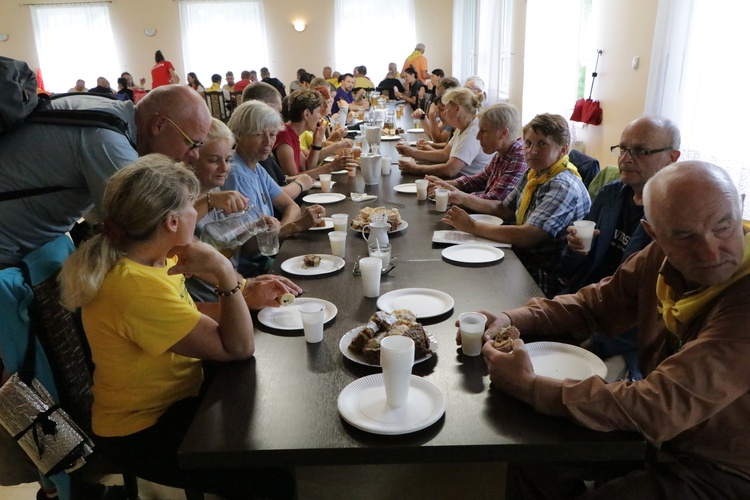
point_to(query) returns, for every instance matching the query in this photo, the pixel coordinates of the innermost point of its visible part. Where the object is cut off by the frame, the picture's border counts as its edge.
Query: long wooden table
(281, 406)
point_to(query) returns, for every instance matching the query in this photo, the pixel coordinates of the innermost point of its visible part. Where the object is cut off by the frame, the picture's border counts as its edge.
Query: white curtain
(551, 74)
(697, 79)
(374, 33)
(222, 35)
(75, 42)
(464, 39)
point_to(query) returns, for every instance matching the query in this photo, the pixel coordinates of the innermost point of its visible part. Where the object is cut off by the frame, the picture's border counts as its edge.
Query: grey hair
(136, 201)
(499, 116)
(252, 117)
(668, 127)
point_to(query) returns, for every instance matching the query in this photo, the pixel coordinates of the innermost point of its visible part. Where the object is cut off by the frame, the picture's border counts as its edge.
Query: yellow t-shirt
(363, 83)
(139, 313)
(214, 88)
(334, 82)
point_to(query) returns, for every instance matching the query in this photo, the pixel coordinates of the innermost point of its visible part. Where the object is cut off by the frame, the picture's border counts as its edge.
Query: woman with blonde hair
(146, 334)
(464, 153)
(549, 198)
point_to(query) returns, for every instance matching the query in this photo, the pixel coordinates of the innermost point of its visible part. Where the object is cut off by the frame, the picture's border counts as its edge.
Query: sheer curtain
(696, 79)
(222, 35)
(464, 39)
(373, 33)
(75, 42)
(551, 66)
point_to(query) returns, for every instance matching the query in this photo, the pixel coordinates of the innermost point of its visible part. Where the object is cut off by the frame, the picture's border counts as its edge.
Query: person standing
(163, 72)
(418, 61)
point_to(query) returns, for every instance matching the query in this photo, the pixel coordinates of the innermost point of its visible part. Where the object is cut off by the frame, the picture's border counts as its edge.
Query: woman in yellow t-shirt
(147, 336)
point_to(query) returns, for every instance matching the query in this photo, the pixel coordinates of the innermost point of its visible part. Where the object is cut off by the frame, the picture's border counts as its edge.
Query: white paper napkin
(358, 197)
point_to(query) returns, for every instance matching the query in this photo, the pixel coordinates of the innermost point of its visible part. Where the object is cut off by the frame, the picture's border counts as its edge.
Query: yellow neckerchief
(683, 310)
(413, 55)
(536, 179)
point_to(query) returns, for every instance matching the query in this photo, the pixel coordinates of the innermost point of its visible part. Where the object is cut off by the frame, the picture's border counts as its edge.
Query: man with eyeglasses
(647, 145)
(75, 162)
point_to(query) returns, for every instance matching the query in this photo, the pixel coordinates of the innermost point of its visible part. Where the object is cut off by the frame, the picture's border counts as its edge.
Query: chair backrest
(217, 105)
(587, 166)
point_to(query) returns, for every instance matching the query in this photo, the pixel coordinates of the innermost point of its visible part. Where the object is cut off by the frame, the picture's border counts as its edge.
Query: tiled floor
(416, 482)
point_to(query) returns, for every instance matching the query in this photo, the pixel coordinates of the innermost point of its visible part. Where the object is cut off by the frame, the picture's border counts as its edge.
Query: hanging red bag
(588, 110)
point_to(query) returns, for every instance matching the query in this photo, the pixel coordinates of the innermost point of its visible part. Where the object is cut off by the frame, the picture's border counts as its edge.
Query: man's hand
(575, 244)
(511, 372)
(407, 165)
(418, 114)
(265, 291)
(403, 149)
(310, 217)
(437, 182)
(304, 179)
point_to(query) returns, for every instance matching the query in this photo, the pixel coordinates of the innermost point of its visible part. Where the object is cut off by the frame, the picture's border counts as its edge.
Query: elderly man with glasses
(71, 164)
(646, 146)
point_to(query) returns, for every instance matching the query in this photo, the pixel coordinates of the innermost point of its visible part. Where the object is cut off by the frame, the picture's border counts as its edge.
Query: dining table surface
(281, 406)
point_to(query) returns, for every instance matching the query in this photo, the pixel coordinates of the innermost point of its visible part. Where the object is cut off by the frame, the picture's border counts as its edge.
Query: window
(373, 33)
(219, 35)
(695, 79)
(75, 42)
(482, 32)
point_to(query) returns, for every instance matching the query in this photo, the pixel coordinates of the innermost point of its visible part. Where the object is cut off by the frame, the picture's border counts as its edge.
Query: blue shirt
(341, 94)
(255, 183)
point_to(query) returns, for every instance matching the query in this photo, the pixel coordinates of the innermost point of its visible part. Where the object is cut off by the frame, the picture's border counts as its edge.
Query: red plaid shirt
(499, 177)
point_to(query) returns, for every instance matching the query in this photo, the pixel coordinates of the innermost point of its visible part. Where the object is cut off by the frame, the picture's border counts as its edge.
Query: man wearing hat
(417, 60)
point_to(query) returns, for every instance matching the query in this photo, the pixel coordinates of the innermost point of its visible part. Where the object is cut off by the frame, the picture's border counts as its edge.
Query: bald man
(688, 293)
(170, 120)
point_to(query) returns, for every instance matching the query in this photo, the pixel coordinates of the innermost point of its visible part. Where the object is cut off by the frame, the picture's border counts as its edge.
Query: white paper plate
(564, 361)
(410, 188)
(390, 137)
(399, 228)
(329, 225)
(288, 318)
(316, 184)
(473, 253)
(416, 131)
(423, 302)
(328, 264)
(362, 403)
(490, 219)
(324, 198)
(349, 336)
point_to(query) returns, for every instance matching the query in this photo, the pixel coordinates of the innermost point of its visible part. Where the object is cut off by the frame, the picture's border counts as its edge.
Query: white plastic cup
(340, 221)
(325, 182)
(313, 316)
(268, 241)
(397, 359)
(441, 199)
(585, 231)
(338, 243)
(422, 189)
(385, 165)
(471, 325)
(381, 251)
(370, 269)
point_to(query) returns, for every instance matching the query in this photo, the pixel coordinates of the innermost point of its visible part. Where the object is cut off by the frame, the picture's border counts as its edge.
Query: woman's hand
(267, 289)
(407, 165)
(343, 143)
(343, 162)
(404, 149)
(201, 260)
(338, 133)
(423, 145)
(318, 134)
(229, 201)
(418, 114)
(458, 218)
(311, 216)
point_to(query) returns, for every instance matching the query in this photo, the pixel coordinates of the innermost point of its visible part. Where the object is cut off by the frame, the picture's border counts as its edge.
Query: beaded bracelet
(229, 292)
(208, 201)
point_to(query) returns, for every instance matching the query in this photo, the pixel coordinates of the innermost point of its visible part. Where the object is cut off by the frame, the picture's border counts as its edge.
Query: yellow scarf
(686, 308)
(536, 179)
(413, 55)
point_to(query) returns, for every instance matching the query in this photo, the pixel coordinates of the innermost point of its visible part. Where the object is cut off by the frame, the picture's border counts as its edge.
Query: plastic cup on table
(370, 269)
(338, 243)
(325, 182)
(385, 165)
(421, 188)
(471, 325)
(340, 221)
(397, 359)
(585, 231)
(441, 199)
(313, 316)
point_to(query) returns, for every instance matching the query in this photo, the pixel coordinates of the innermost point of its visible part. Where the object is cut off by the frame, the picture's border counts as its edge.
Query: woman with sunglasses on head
(147, 336)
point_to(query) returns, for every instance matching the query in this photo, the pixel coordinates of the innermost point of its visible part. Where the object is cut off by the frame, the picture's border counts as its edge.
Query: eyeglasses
(637, 152)
(193, 144)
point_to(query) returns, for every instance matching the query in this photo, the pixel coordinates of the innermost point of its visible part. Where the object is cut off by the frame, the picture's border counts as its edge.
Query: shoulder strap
(81, 118)
(27, 371)
(25, 193)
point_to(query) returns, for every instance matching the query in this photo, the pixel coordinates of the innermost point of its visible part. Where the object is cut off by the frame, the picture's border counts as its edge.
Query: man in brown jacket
(688, 295)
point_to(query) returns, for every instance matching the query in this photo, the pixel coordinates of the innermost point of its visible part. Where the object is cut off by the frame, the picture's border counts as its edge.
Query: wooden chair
(217, 105)
(235, 99)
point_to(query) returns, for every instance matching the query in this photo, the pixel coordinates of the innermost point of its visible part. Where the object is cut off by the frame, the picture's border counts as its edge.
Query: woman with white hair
(147, 336)
(465, 155)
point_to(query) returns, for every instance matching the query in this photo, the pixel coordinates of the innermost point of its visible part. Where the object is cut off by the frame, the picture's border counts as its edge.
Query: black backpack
(20, 104)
